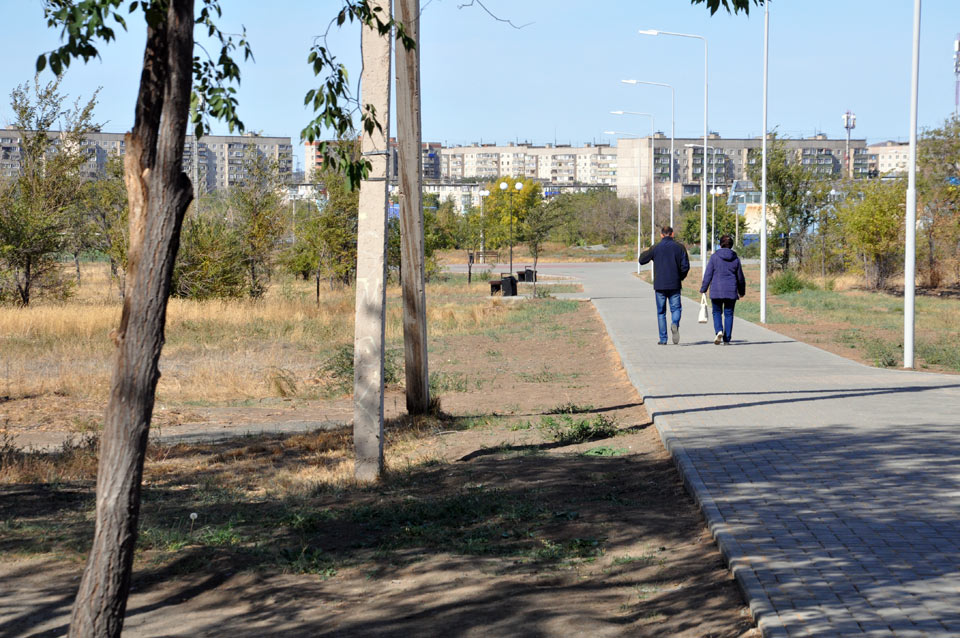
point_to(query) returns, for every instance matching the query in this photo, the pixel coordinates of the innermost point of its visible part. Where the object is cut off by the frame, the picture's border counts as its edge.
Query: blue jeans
(723, 317)
(674, 297)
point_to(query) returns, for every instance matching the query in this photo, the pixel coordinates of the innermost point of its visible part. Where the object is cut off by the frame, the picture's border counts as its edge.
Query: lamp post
(714, 192)
(763, 169)
(653, 185)
(910, 254)
(518, 186)
(639, 187)
(483, 246)
(713, 218)
(672, 126)
(703, 181)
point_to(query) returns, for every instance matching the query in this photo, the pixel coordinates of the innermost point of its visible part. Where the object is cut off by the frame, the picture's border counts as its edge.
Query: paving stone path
(832, 488)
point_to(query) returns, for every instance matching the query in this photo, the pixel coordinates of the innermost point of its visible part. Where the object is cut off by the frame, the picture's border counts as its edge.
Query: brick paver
(832, 488)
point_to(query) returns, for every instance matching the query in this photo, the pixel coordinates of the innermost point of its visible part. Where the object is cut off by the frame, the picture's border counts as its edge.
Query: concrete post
(369, 331)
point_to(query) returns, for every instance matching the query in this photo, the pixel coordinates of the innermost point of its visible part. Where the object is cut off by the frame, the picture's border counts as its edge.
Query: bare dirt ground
(484, 525)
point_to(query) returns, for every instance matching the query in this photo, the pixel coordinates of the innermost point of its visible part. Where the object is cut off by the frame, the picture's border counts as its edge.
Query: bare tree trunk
(411, 213)
(76, 263)
(158, 193)
(369, 331)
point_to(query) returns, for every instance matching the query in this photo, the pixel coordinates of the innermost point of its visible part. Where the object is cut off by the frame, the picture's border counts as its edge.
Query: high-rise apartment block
(215, 163)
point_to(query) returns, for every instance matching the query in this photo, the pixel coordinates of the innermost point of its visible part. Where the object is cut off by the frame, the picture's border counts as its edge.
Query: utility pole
(411, 212)
(369, 331)
(849, 123)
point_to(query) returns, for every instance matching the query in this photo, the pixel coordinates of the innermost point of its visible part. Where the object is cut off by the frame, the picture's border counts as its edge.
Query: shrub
(788, 281)
(210, 263)
(338, 369)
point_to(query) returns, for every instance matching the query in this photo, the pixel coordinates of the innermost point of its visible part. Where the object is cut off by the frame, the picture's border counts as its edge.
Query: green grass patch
(604, 450)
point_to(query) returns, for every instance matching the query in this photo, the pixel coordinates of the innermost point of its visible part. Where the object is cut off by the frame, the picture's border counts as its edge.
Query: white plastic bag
(702, 317)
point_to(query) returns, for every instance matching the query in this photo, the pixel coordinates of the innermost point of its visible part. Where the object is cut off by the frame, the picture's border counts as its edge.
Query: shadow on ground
(519, 542)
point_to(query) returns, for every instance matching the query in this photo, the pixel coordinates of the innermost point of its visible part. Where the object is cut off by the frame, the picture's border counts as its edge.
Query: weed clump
(567, 431)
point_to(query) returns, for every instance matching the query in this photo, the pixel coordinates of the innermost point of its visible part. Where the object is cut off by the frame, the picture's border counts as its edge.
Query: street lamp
(483, 245)
(672, 123)
(703, 184)
(716, 190)
(763, 168)
(653, 185)
(519, 187)
(910, 254)
(639, 188)
(713, 191)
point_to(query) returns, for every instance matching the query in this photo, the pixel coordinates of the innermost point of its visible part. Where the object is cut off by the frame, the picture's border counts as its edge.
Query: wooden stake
(411, 212)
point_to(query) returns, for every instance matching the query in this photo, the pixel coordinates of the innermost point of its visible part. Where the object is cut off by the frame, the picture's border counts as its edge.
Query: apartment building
(726, 160)
(429, 159)
(551, 164)
(215, 163)
(889, 158)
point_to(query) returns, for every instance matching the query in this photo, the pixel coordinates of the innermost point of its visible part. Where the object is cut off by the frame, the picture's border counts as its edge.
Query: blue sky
(557, 78)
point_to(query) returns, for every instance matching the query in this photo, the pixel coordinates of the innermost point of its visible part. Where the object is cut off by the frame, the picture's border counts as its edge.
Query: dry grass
(216, 351)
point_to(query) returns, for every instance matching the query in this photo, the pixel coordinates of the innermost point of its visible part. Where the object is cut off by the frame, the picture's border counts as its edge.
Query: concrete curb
(770, 623)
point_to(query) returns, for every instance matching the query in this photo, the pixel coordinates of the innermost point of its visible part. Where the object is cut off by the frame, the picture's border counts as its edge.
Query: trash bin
(521, 275)
(508, 286)
(530, 275)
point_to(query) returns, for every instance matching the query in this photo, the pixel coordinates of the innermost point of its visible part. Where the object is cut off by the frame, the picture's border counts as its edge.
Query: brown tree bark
(411, 212)
(158, 192)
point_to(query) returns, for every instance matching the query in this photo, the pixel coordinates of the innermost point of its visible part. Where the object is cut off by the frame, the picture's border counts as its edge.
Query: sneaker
(675, 332)
(718, 339)
(661, 343)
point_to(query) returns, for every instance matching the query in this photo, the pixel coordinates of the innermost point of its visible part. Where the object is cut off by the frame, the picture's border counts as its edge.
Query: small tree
(874, 224)
(38, 209)
(107, 218)
(938, 206)
(539, 223)
(259, 218)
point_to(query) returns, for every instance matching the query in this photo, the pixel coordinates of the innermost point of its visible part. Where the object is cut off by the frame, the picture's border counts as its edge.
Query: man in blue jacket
(670, 266)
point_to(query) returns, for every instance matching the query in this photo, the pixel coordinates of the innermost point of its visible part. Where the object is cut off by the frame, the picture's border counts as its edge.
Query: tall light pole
(653, 184)
(763, 169)
(703, 181)
(713, 189)
(849, 123)
(483, 245)
(518, 186)
(910, 257)
(639, 200)
(673, 119)
(716, 190)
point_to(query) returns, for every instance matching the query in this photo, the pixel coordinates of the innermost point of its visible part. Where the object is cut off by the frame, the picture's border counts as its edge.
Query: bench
(483, 257)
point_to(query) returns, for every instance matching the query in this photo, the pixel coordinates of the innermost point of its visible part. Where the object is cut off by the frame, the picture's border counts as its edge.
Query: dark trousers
(723, 317)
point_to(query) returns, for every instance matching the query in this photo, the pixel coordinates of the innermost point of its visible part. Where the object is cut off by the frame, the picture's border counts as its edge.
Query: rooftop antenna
(849, 123)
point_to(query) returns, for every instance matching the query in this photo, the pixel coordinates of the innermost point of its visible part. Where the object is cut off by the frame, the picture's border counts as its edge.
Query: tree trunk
(76, 263)
(369, 331)
(411, 212)
(158, 193)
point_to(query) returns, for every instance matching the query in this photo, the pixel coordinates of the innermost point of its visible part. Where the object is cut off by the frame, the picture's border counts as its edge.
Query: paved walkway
(832, 488)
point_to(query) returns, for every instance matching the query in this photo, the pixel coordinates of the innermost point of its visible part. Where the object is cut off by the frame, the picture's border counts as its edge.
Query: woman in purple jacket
(724, 278)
